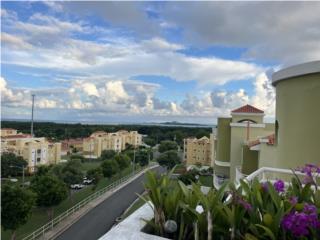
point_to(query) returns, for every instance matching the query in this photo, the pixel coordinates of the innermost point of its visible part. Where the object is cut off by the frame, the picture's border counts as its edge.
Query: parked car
(87, 181)
(76, 186)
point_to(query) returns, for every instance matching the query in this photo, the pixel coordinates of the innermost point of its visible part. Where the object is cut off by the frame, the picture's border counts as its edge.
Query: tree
(142, 157)
(123, 161)
(9, 161)
(107, 154)
(42, 170)
(96, 175)
(16, 205)
(169, 159)
(168, 145)
(50, 191)
(109, 167)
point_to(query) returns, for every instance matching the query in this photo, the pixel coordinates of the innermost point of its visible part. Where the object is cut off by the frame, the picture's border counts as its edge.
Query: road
(100, 219)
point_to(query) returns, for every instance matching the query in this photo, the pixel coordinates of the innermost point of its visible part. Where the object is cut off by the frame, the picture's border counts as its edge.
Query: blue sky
(149, 61)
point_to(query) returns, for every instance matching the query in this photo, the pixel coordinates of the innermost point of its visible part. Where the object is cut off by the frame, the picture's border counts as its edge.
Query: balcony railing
(239, 175)
(219, 180)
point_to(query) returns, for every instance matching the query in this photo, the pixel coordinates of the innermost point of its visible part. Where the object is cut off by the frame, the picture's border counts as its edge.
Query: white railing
(239, 175)
(50, 225)
(272, 174)
(218, 181)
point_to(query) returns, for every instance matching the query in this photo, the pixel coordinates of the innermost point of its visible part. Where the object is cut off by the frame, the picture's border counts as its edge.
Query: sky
(127, 62)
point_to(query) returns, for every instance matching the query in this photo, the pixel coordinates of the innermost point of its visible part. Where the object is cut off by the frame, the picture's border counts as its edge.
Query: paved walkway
(97, 217)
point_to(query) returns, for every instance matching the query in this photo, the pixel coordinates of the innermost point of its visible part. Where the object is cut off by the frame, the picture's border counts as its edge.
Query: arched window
(246, 120)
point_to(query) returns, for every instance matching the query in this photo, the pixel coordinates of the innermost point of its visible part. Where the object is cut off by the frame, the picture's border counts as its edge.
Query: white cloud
(287, 32)
(53, 46)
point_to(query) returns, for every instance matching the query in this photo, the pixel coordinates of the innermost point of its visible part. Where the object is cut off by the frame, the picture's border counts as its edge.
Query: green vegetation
(169, 159)
(39, 215)
(109, 167)
(206, 180)
(16, 204)
(11, 165)
(167, 146)
(50, 190)
(252, 211)
(59, 131)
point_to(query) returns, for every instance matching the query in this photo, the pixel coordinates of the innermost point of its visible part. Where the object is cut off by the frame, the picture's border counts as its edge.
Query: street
(100, 219)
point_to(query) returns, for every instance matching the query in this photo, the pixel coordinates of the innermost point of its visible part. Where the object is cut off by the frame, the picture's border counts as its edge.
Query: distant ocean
(162, 124)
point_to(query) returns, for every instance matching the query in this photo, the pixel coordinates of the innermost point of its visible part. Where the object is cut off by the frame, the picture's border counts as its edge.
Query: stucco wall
(268, 156)
(250, 160)
(238, 137)
(223, 136)
(298, 116)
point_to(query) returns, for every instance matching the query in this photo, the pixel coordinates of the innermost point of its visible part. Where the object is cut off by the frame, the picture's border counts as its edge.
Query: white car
(76, 186)
(87, 181)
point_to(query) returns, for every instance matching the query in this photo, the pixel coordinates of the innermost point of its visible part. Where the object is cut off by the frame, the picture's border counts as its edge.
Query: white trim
(222, 163)
(295, 71)
(251, 125)
(255, 147)
(246, 114)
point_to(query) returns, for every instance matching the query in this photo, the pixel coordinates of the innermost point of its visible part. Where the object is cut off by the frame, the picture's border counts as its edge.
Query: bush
(9, 161)
(107, 154)
(169, 159)
(109, 168)
(167, 146)
(123, 161)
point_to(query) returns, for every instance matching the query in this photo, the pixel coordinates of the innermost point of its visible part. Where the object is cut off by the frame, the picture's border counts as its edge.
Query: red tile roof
(247, 109)
(17, 136)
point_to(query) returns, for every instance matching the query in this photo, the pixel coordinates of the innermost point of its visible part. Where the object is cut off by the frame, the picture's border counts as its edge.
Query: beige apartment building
(36, 151)
(100, 140)
(199, 151)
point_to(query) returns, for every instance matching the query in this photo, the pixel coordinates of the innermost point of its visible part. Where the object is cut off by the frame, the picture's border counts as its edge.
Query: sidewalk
(66, 223)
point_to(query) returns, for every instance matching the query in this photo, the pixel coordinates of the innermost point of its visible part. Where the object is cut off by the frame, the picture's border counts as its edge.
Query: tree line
(60, 131)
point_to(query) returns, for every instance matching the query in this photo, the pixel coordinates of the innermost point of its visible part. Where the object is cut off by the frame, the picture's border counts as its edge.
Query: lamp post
(12, 166)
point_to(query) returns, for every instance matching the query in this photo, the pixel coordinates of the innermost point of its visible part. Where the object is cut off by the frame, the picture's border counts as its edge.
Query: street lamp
(12, 166)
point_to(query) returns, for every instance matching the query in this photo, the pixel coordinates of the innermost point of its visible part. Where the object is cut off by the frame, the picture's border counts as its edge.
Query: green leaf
(268, 232)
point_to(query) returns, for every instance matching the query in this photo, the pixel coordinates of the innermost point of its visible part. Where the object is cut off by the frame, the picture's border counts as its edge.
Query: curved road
(100, 219)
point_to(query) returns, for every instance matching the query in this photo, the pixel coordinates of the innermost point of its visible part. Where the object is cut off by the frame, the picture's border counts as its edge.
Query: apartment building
(8, 131)
(199, 151)
(68, 145)
(233, 136)
(117, 141)
(36, 151)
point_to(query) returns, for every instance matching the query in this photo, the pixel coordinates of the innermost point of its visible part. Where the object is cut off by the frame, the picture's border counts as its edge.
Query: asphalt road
(100, 219)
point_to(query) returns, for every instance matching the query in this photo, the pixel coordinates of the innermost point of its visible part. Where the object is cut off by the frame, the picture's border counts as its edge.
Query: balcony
(219, 180)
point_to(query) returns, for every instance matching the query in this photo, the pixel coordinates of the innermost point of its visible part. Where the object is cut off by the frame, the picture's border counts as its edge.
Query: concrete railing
(50, 225)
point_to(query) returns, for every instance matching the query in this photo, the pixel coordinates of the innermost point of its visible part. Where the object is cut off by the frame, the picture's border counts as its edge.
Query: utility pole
(33, 95)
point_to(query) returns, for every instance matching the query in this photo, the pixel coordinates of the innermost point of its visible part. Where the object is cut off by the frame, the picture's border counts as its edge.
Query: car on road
(76, 186)
(87, 181)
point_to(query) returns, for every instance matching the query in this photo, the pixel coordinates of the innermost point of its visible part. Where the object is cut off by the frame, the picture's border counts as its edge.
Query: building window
(39, 151)
(38, 159)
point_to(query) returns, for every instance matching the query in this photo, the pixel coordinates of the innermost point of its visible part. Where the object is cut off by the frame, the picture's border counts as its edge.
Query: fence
(50, 225)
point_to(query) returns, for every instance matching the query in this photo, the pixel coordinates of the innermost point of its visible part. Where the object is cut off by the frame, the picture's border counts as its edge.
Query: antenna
(33, 95)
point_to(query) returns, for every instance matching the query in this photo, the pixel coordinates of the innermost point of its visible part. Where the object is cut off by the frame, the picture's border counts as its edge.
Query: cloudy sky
(149, 62)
